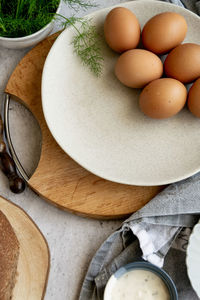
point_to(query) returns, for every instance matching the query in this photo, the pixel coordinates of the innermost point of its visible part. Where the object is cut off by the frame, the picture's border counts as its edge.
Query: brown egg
(194, 98)
(121, 29)
(183, 63)
(163, 32)
(135, 68)
(163, 98)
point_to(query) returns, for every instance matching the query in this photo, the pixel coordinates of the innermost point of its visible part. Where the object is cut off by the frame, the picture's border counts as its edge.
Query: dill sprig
(76, 4)
(86, 43)
(87, 47)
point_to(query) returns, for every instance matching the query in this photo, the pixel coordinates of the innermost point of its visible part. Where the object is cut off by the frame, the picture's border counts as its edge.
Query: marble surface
(72, 240)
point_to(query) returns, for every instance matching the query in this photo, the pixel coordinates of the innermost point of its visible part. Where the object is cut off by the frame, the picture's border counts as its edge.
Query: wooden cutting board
(33, 265)
(58, 178)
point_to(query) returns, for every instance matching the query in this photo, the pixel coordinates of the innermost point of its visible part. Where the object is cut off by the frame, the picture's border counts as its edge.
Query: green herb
(87, 43)
(76, 4)
(23, 17)
(20, 18)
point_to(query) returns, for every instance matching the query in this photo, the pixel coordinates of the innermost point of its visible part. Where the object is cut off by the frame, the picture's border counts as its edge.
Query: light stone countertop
(72, 240)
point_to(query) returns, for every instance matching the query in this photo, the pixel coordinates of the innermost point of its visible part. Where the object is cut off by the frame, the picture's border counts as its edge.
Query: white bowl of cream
(140, 281)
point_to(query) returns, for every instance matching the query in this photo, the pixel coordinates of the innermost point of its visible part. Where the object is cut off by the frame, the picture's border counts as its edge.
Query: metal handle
(14, 156)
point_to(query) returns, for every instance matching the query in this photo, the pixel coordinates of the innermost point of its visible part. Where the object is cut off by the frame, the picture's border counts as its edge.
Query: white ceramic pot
(29, 40)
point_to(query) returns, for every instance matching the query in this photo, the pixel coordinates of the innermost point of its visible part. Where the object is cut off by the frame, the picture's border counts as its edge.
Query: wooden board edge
(80, 214)
(62, 207)
(41, 234)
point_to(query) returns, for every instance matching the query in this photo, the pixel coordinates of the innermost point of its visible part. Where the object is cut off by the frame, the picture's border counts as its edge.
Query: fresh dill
(20, 18)
(23, 17)
(86, 42)
(76, 4)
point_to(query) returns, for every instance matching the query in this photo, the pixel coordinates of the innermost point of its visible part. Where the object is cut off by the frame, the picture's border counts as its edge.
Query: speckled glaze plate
(193, 258)
(98, 123)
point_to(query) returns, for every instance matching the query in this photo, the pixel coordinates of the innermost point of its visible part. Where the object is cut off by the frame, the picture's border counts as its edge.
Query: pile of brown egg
(142, 68)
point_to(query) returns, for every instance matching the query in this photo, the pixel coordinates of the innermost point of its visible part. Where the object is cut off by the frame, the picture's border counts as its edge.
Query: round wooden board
(33, 265)
(58, 178)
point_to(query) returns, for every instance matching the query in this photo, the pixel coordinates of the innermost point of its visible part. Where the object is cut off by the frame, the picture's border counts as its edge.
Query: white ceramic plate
(193, 258)
(98, 123)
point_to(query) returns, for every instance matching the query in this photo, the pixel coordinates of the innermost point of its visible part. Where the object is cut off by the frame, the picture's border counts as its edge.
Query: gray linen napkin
(164, 223)
(158, 232)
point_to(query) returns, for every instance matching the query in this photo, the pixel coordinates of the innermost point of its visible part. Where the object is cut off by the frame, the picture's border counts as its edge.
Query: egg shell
(163, 98)
(164, 32)
(136, 68)
(121, 29)
(194, 98)
(183, 63)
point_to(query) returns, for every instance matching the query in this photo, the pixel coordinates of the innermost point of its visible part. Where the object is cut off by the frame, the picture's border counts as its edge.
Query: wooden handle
(1, 127)
(17, 185)
(2, 144)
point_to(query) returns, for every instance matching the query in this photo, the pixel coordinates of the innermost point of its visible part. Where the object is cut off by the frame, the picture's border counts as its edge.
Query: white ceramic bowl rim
(30, 36)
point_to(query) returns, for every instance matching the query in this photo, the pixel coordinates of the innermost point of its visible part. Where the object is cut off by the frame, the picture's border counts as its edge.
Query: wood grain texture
(33, 264)
(58, 178)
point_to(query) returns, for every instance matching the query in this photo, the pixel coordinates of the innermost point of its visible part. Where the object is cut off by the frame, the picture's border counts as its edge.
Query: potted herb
(24, 23)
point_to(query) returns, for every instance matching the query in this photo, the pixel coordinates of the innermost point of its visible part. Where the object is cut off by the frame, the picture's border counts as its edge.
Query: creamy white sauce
(140, 285)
